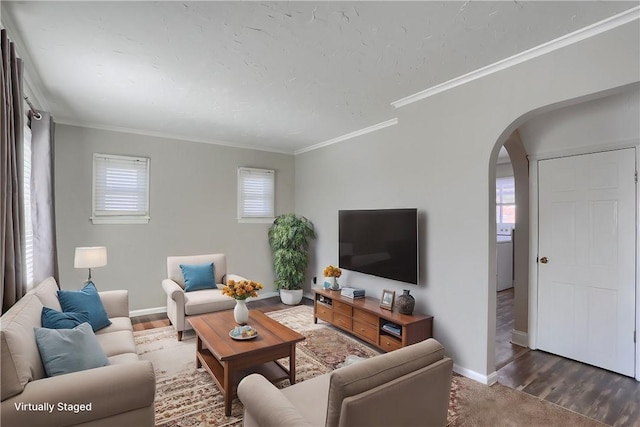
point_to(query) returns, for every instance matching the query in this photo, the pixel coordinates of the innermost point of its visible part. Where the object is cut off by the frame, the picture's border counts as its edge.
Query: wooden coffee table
(228, 360)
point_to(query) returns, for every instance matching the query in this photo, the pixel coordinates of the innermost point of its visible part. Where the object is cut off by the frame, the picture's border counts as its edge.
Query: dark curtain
(12, 275)
(45, 255)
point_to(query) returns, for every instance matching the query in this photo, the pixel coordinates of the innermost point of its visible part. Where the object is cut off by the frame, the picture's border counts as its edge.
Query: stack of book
(393, 328)
(352, 292)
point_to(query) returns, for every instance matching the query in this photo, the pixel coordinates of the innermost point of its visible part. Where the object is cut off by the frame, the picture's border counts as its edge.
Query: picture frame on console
(386, 301)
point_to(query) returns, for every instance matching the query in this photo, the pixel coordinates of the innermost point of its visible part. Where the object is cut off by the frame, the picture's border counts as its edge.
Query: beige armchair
(405, 387)
(181, 305)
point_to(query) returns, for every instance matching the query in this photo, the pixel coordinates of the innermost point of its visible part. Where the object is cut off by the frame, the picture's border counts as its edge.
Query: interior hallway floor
(599, 394)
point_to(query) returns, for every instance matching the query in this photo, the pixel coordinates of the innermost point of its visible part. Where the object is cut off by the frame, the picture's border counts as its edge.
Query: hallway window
(505, 200)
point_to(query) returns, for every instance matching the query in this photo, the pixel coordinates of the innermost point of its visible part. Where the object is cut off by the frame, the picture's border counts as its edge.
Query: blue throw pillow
(200, 276)
(54, 319)
(88, 300)
(69, 350)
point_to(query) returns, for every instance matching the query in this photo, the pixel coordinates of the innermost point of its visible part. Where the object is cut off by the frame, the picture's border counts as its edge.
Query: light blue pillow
(69, 350)
(199, 276)
(86, 299)
(54, 319)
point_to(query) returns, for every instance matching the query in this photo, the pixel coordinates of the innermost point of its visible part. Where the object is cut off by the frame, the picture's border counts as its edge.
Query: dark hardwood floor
(603, 395)
(506, 352)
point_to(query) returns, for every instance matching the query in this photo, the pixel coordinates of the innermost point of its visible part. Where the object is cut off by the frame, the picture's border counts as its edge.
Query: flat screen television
(380, 242)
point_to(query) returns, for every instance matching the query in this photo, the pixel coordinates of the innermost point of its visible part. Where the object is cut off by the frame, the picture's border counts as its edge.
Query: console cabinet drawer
(342, 321)
(325, 313)
(389, 343)
(365, 317)
(340, 307)
(366, 331)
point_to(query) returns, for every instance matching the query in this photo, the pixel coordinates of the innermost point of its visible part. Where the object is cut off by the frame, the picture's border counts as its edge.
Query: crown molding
(349, 135)
(169, 136)
(592, 30)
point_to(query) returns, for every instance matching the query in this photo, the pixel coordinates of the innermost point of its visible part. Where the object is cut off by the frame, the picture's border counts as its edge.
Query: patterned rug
(188, 397)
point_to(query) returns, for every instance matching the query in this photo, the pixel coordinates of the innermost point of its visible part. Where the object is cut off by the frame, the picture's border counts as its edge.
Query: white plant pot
(291, 296)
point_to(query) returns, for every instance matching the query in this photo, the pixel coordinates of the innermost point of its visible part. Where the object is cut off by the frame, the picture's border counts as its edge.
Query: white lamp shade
(89, 257)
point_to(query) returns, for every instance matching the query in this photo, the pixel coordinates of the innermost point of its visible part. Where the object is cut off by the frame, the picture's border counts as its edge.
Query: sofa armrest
(116, 303)
(235, 278)
(109, 391)
(174, 291)
(267, 406)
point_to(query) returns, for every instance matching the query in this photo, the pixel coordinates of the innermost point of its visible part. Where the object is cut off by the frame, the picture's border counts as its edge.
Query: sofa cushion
(118, 342)
(117, 324)
(20, 361)
(54, 319)
(123, 358)
(86, 299)
(47, 293)
(175, 273)
(198, 276)
(69, 350)
(206, 301)
(359, 377)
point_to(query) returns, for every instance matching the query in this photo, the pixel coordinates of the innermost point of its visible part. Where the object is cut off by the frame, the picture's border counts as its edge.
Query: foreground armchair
(183, 302)
(405, 387)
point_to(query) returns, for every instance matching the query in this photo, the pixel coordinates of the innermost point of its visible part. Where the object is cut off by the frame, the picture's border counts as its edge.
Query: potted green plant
(289, 237)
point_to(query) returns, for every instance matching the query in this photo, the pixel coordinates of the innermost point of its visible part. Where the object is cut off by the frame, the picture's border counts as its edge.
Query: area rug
(188, 397)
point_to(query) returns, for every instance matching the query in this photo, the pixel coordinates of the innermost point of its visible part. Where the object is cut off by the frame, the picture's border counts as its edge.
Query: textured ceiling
(276, 75)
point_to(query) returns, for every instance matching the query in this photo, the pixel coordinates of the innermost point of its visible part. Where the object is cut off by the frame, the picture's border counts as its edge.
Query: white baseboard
(267, 295)
(490, 379)
(520, 338)
(147, 311)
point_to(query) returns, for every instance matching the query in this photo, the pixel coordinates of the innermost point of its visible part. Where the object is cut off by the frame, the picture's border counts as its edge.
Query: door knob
(544, 260)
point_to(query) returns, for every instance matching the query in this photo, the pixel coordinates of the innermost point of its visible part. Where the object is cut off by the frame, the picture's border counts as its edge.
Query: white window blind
(256, 195)
(505, 200)
(120, 189)
(28, 224)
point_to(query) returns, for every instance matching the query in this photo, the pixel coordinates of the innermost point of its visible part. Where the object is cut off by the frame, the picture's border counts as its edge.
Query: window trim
(119, 218)
(256, 219)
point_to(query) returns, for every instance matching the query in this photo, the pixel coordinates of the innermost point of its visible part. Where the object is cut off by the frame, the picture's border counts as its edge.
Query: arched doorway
(512, 250)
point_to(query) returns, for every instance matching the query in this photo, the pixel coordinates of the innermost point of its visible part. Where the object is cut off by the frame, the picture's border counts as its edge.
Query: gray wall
(192, 205)
(593, 124)
(441, 159)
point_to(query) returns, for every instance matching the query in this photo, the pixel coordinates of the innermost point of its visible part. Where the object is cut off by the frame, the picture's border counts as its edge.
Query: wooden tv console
(364, 318)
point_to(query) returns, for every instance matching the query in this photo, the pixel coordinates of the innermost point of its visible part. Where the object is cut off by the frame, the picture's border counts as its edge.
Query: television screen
(380, 242)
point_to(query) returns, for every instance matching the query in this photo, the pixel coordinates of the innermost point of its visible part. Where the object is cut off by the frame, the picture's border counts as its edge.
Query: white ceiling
(277, 75)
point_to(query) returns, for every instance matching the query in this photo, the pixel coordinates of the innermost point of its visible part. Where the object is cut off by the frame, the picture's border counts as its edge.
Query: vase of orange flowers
(331, 275)
(240, 291)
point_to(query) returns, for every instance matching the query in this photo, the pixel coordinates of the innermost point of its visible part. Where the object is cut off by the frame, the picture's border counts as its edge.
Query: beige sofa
(406, 387)
(181, 305)
(120, 394)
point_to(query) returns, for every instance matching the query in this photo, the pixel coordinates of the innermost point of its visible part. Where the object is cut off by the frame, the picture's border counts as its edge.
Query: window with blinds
(28, 224)
(120, 189)
(505, 200)
(256, 195)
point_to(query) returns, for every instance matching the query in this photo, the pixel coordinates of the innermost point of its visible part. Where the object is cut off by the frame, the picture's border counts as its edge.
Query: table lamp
(90, 257)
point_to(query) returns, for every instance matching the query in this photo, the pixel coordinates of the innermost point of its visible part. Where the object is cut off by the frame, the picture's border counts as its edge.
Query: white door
(586, 267)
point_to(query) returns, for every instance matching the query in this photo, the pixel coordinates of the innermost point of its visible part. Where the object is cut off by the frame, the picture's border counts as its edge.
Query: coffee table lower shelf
(273, 371)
